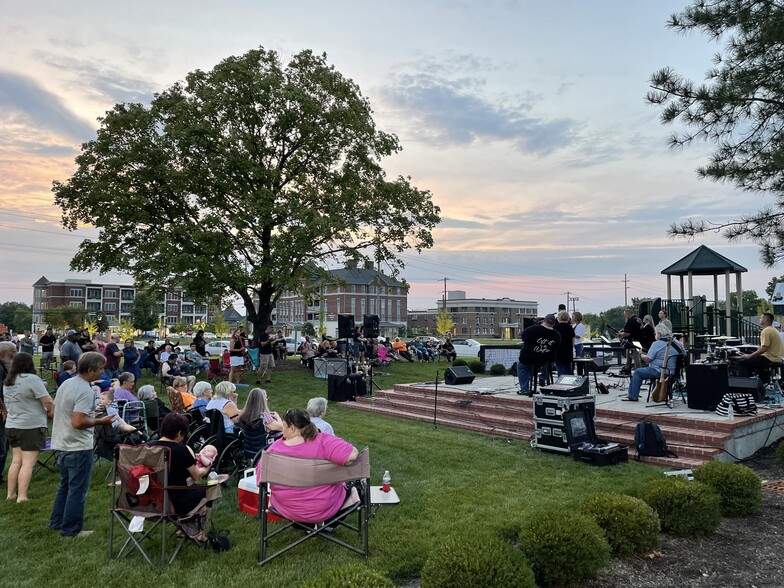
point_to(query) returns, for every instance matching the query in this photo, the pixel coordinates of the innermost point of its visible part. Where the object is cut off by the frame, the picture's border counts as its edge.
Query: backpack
(218, 540)
(650, 441)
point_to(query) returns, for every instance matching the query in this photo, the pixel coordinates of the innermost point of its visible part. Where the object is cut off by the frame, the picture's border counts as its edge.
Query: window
(126, 294)
(170, 320)
(362, 288)
(362, 303)
(187, 308)
(465, 322)
(171, 307)
(75, 305)
(93, 293)
(353, 288)
(110, 293)
(397, 315)
(93, 306)
(126, 307)
(76, 293)
(110, 306)
(413, 317)
(353, 305)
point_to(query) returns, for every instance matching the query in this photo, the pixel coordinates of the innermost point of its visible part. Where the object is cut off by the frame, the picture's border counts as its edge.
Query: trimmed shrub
(563, 547)
(497, 369)
(630, 525)
(739, 487)
(477, 366)
(476, 561)
(350, 575)
(687, 509)
(459, 361)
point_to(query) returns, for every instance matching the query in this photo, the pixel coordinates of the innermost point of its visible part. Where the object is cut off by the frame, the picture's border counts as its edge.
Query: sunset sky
(525, 119)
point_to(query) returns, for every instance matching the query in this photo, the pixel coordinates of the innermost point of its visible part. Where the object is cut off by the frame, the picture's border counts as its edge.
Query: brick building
(113, 300)
(363, 291)
(500, 318)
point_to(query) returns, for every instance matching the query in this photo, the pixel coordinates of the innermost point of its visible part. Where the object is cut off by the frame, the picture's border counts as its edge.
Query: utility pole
(625, 291)
(573, 300)
(444, 280)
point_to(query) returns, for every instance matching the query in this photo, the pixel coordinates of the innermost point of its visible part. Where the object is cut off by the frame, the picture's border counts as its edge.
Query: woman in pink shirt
(301, 438)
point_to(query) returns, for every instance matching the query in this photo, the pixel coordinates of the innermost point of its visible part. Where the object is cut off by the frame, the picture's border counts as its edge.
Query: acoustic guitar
(660, 392)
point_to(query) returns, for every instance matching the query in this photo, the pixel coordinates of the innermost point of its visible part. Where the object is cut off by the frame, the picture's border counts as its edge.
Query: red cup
(385, 487)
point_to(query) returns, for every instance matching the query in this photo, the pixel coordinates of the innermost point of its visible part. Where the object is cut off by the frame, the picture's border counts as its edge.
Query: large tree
(8, 312)
(740, 108)
(244, 181)
(144, 311)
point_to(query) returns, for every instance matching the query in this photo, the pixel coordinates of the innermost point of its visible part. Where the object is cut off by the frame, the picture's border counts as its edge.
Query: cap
(549, 319)
(776, 324)
(70, 332)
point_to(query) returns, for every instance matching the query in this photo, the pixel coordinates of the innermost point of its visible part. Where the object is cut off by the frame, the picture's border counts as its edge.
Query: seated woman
(202, 391)
(170, 370)
(317, 408)
(301, 438)
(152, 406)
(180, 385)
(224, 399)
(182, 464)
(257, 420)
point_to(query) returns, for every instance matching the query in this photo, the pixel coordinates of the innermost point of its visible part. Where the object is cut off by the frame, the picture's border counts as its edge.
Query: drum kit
(720, 350)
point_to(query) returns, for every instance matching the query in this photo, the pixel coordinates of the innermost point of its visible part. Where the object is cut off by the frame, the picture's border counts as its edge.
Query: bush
(780, 453)
(477, 366)
(563, 547)
(497, 369)
(687, 509)
(630, 525)
(459, 361)
(476, 561)
(739, 487)
(350, 575)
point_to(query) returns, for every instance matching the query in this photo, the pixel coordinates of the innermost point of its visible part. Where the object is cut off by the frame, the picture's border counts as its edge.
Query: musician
(770, 351)
(655, 358)
(539, 342)
(629, 334)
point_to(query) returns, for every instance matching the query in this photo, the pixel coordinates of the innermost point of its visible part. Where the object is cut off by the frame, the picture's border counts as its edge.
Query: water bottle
(730, 412)
(385, 480)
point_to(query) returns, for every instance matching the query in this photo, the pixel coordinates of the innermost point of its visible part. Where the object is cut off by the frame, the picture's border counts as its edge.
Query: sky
(526, 120)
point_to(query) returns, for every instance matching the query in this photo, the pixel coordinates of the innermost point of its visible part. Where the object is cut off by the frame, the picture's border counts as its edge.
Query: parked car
(216, 347)
(466, 347)
(292, 344)
(142, 343)
(210, 336)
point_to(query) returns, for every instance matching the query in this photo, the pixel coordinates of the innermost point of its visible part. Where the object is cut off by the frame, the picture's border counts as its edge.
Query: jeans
(640, 374)
(524, 373)
(69, 501)
(564, 368)
(578, 350)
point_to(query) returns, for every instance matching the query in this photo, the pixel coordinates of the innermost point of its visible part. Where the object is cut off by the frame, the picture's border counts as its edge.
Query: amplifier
(706, 384)
(752, 386)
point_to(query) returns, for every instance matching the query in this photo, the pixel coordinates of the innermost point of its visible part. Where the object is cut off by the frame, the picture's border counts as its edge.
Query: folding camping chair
(297, 472)
(175, 400)
(217, 370)
(141, 489)
(49, 462)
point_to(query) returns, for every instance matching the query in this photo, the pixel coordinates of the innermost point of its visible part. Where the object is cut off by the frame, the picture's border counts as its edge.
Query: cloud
(446, 106)
(455, 223)
(43, 109)
(108, 84)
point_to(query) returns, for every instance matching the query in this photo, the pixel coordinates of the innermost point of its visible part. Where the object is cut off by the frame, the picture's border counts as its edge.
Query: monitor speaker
(461, 374)
(750, 386)
(345, 326)
(706, 384)
(339, 388)
(371, 326)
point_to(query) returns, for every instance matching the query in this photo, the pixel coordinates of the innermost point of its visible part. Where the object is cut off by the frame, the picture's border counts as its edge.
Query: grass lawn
(447, 480)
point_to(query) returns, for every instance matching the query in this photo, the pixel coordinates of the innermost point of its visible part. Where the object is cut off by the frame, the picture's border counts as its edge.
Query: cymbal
(724, 337)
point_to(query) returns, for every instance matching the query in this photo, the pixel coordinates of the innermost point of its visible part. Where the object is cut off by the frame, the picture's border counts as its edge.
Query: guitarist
(629, 334)
(655, 359)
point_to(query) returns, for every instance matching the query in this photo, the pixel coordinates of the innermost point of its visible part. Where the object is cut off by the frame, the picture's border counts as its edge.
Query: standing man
(7, 354)
(72, 437)
(266, 362)
(70, 349)
(47, 342)
(26, 343)
(665, 320)
(539, 342)
(564, 350)
(770, 351)
(630, 333)
(113, 355)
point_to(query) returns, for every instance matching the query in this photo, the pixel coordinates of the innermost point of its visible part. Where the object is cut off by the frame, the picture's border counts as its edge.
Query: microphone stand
(435, 403)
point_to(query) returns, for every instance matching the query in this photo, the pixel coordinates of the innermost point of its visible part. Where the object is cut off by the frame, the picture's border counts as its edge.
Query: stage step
(695, 442)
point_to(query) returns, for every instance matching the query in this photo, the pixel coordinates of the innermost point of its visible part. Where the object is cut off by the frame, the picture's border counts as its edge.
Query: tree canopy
(144, 312)
(740, 108)
(243, 181)
(8, 315)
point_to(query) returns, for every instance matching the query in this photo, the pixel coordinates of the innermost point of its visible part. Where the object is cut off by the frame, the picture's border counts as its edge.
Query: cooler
(248, 493)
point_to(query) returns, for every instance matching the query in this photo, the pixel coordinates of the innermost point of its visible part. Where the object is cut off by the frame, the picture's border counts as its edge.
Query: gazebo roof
(703, 261)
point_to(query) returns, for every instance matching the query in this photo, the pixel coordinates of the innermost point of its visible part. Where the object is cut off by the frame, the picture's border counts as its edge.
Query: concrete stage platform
(491, 405)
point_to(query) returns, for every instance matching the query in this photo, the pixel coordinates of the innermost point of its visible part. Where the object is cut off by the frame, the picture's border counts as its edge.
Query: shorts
(266, 361)
(27, 439)
(236, 361)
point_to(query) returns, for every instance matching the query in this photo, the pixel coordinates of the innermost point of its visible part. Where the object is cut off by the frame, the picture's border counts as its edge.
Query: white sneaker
(85, 533)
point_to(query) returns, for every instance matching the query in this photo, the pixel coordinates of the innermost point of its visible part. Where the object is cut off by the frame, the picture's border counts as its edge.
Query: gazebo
(704, 261)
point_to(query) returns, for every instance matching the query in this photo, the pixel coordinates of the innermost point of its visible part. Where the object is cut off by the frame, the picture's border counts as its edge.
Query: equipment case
(580, 433)
(550, 436)
(553, 407)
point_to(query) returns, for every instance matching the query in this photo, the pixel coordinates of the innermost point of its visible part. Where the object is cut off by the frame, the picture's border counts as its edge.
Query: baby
(206, 457)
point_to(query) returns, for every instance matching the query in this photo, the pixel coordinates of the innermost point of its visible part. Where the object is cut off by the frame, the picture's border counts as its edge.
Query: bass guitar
(660, 393)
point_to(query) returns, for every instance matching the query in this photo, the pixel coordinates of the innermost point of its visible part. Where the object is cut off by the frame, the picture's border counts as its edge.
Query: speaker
(706, 384)
(338, 388)
(748, 385)
(461, 374)
(345, 326)
(371, 326)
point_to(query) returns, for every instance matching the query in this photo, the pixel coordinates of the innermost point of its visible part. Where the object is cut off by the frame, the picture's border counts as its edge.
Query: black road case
(581, 437)
(553, 407)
